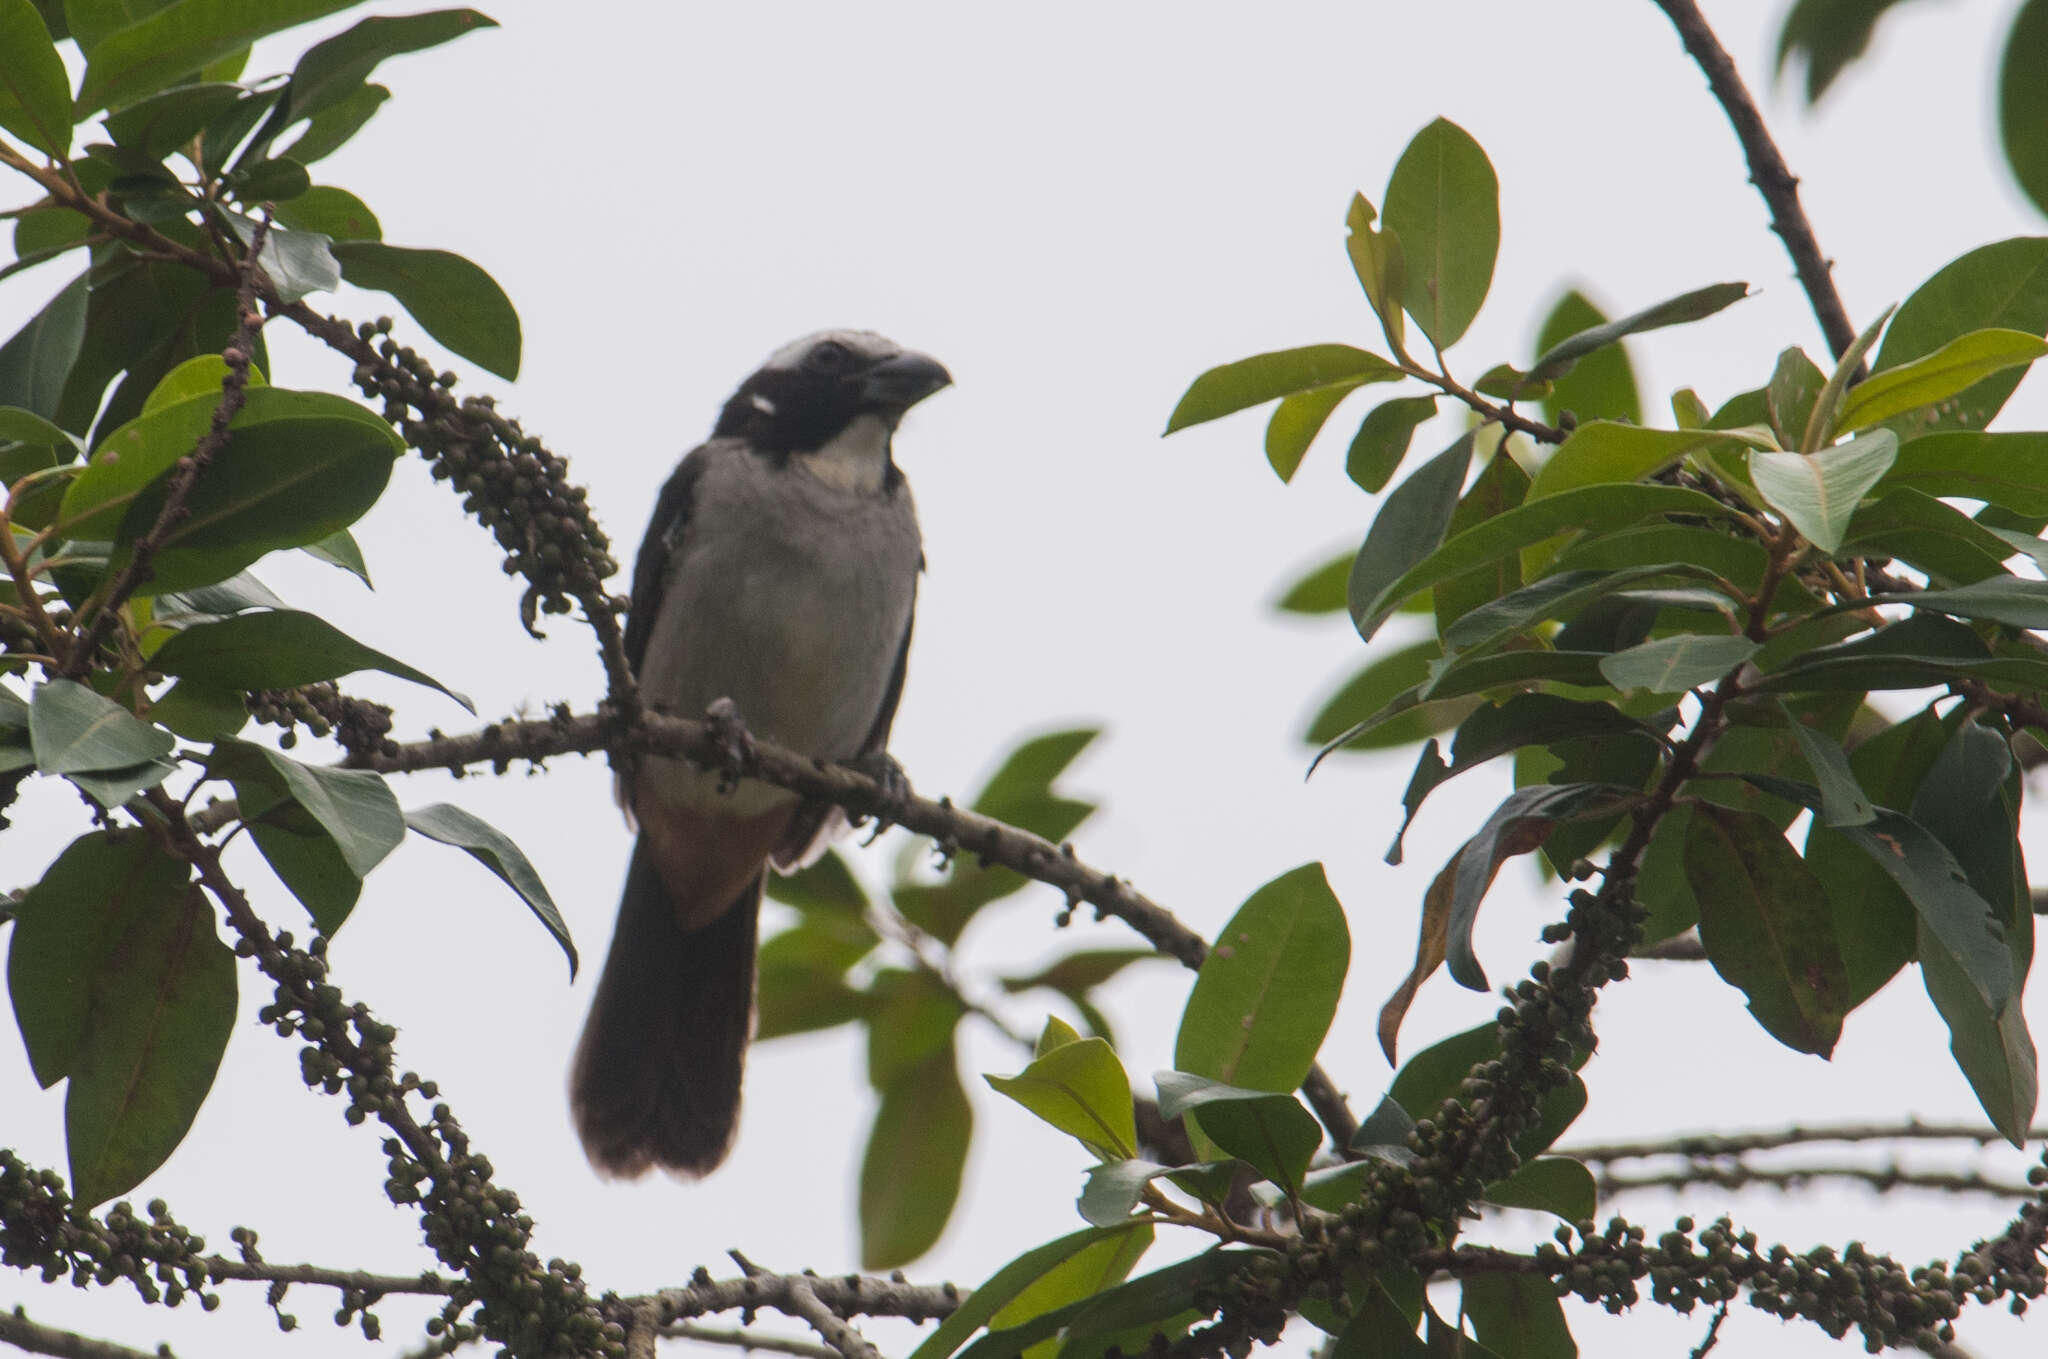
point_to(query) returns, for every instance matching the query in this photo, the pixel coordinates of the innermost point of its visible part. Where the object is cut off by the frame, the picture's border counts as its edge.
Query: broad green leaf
(1149, 1298)
(1842, 799)
(1443, 202)
(1671, 665)
(1607, 451)
(828, 885)
(1925, 649)
(910, 1172)
(67, 929)
(1295, 423)
(916, 1019)
(1598, 385)
(195, 377)
(1765, 921)
(1954, 368)
(162, 1006)
(2023, 104)
(332, 127)
(1591, 509)
(1408, 529)
(1080, 972)
(1266, 994)
(1386, 1128)
(145, 57)
(2002, 284)
(1520, 824)
(1969, 800)
(199, 712)
(1382, 440)
(155, 127)
(1394, 677)
(1377, 1330)
(801, 985)
(1554, 596)
(74, 730)
(1271, 1133)
(1500, 486)
(1549, 1184)
(1009, 1283)
(2008, 470)
(334, 213)
(2017, 601)
(1827, 35)
(231, 596)
(1559, 355)
(1081, 1089)
(1114, 1188)
(278, 649)
(454, 301)
(299, 263)
(112, 787)
(1796, 384)
(1518, 1315)
(35, 95)
(1932, 536)
(1376, 259)
(333, 69)
(276, 180)
(1321, 590)
(1819, 491)
(1267, 377)
(36, 363)
(1094, 1269)
(489, 846)
(1822, 425)
(297, 467)
(1057, 1033)
(352, 808)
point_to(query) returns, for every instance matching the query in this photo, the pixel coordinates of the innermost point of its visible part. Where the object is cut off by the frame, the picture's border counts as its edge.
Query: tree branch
(1768, 171)
(1738, 1144)
(742, 1338)
(1883, 1179)
(842, 1295)
(17, 1330)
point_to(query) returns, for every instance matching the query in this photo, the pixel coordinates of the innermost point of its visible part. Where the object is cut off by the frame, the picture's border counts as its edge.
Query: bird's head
(811, 389)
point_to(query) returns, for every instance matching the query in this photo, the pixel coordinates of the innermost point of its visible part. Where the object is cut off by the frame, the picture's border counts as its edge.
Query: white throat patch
(856, 459)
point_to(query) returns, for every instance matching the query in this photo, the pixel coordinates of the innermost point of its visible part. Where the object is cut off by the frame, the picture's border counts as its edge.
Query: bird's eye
(828, 356)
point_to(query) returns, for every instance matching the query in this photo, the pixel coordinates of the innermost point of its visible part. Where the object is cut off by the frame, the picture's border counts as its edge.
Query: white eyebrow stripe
(761, 403)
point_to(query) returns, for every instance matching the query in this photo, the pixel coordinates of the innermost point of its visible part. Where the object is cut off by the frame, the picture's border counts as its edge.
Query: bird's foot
(892, 786)
(734, 743)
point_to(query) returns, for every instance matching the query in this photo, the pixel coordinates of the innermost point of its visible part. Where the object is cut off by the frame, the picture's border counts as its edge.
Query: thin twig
(746, 1339)
(1713, 1335)
(234, 389)
(17, 1330)
(1768, 171)
(830, 1326)
(1797, 1135)
(1883, 1179)
(845, 1295)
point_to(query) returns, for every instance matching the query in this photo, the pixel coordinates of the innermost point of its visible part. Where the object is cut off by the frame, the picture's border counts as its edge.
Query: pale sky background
(1078, 207)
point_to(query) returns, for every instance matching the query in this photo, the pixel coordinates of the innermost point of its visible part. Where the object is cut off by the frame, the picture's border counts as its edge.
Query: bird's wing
(664, 539)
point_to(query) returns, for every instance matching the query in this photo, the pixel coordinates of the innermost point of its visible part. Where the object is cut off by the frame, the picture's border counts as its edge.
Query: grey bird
(779, 572)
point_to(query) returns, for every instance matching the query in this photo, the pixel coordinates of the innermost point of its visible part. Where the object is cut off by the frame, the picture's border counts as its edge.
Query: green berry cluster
(359, 726)
(42, 1228)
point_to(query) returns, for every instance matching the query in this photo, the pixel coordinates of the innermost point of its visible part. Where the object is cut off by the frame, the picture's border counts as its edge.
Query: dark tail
(657, 1074)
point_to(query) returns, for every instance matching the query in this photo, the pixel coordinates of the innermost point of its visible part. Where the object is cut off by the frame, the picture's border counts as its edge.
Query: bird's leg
(735, 743)
(892, 785)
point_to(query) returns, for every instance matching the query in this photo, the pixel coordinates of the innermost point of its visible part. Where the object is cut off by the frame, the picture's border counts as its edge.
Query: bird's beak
(898, 383)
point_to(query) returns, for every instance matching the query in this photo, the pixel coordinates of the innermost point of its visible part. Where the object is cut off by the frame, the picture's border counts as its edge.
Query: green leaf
(1268, 377)
(1382, 440)
(1518, 1315)
(1011, 1282)
(112, 787)
(1265, 996)
(339, 549)
(1113, 1189)
(333, 127)
(1549, 1184)
(453, 300)
(1499, 487)
(1671, 665)
(1766, 924)
(297, 467)
(155, 127)
(1520, 824)
(2004, 284)
(1599, 385)
(1321, 590)
(489, 846)
(1149, 1298)
(2008, 470)
(1433, 1076)
(1954, 368)
(1376, 259)
(200, 376)
(801, 984)
(354, 809)
(1827, 35)
(1095, 1269)
(1272, 1133)
(75, 730)
(1559, 355)
(1935, 538)
(36, 363)
(1554, 596)
(1378, 1330)
(1607, 451)
(334, 69)
(334, 213)
(827, 885)
(278, 649)
(1796, 384)
(1295, 423)
(1081, 1089)
(910, 1172)
(1819, 491)
(177, 40)
(35, 95)
(162, 1007)
(1409, 528)
(1591, 509)
(2023, 104)
(298, 262)
(67, 927)
(1443, 202)
(1925, 649)
(199, 712)
(1842, 799)
(1082, 971)
(277, 180)
(2016, 601)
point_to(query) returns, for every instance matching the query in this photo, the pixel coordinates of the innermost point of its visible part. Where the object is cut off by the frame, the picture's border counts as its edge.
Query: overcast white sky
(1078, 207)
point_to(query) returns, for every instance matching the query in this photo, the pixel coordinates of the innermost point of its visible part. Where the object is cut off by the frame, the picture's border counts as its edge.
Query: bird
(776, 581)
